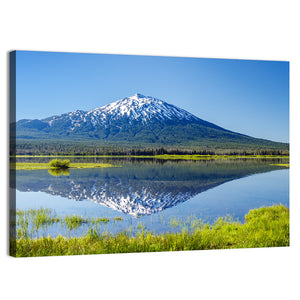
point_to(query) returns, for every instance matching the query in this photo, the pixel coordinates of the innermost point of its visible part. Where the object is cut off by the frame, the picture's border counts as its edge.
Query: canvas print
(130, 153)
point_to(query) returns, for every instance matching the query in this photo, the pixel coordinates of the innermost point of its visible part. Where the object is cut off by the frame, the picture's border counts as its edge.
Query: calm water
(151, 193)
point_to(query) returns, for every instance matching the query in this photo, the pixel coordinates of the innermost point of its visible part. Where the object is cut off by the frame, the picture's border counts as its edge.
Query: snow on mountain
(133, 120)
(138, 108)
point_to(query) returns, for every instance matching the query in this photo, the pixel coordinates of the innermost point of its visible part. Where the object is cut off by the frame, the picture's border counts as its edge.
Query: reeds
(264, 227)
(30, 222)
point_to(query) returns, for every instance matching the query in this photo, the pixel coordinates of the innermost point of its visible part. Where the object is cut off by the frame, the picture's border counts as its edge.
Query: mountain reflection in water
(140, 188)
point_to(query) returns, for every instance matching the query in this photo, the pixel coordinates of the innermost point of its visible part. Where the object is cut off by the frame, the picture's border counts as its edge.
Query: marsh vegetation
(32, 223)
(47, 166)
(264, 227)
(59, 164)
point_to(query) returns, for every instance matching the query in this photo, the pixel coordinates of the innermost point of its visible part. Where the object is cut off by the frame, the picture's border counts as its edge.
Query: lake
(157, 195)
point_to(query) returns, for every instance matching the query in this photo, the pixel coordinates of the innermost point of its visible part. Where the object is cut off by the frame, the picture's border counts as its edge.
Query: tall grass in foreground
(264, 227)
(30, 221)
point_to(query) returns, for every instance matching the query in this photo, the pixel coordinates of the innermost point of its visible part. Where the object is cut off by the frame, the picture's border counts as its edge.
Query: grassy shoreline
(38, 166)
(160, 156)
(263, 227)
(45, 166)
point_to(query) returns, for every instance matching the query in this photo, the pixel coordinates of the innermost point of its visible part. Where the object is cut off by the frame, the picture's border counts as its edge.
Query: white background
(217, 29)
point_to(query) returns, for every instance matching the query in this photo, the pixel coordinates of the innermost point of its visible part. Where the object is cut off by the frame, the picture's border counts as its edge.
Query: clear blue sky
(246, 96)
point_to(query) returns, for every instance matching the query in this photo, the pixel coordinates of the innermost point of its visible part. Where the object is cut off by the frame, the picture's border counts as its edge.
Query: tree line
(55, 148)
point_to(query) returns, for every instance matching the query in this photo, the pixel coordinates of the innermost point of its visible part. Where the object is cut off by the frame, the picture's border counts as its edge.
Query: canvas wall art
(130, 153)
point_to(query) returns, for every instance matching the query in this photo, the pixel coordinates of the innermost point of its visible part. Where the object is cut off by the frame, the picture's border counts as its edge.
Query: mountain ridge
(136, 119)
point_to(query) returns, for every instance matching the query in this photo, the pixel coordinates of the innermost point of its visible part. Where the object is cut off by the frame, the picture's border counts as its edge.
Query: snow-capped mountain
(135, 109)
(134, 120)
(127, 118)
(138, 108)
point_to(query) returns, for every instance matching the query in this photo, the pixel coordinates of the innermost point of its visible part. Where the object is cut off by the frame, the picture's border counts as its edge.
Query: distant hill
(137, 120)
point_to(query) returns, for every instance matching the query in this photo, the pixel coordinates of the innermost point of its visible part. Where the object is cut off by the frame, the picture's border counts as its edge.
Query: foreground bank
(264, 227)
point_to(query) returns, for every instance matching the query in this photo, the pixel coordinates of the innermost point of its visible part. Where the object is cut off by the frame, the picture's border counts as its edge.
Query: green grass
(73, 221)
(40, 166)
(28, 222)
(282, 165)
(264, 227)
(209, 157)
(37, 218)
(161, 156)
(59, 164)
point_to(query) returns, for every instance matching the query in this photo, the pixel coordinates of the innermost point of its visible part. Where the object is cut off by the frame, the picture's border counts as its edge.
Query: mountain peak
(137, 96)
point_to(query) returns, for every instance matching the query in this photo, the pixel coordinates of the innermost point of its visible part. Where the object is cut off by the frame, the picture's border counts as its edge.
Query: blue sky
(246, 96)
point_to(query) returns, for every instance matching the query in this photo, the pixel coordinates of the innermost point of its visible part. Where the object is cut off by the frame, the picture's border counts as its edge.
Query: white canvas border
(223, 29)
